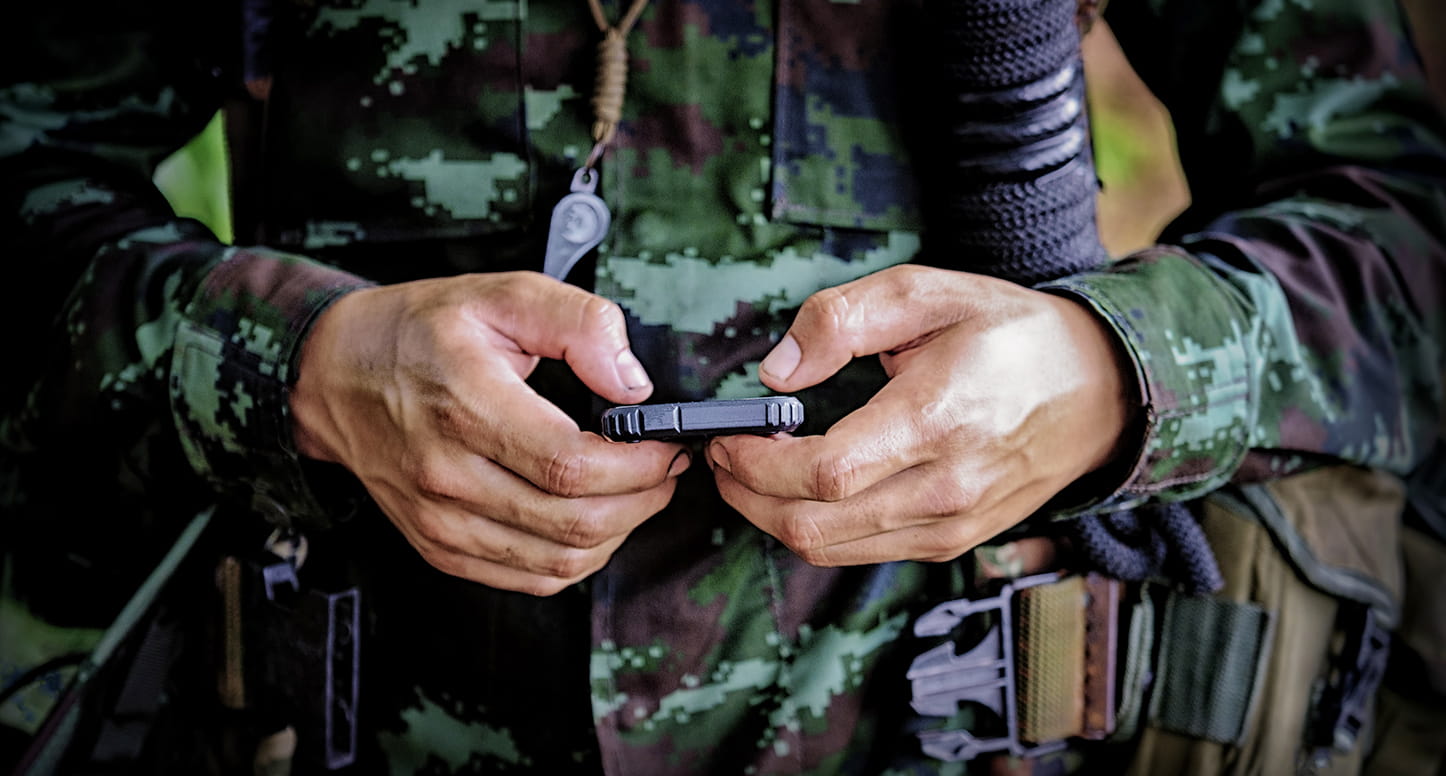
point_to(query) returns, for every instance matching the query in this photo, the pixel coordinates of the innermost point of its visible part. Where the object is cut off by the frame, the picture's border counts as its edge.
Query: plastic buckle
(1345, 703)
(277, 574)
(290, 547)
(942, 679)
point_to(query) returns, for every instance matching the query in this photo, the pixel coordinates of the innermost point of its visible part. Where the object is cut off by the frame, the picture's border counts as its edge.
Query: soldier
(379, 407)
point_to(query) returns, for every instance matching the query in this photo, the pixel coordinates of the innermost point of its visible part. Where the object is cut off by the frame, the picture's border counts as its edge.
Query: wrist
(313, 424)
(1114, 396)
(1114, 404)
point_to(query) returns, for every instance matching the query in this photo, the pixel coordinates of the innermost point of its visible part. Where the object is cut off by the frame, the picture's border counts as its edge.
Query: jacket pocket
(847, 115)
(396, 121)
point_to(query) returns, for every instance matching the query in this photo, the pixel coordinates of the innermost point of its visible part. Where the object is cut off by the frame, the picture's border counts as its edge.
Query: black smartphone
(676, 420)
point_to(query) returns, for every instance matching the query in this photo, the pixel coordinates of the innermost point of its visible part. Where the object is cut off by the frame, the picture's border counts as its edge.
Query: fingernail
(631, 372)
(720, 457)
(680, 463)
(783, 360)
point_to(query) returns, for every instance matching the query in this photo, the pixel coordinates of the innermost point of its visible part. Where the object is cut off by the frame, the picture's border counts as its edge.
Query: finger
(918, 515)
(561, 461)
(498, 417)
(889, 434)
(936, 542)
(911, 498)
(552, 319)
(486, 489)
(499, 576)
(874, 314)
(483, 551)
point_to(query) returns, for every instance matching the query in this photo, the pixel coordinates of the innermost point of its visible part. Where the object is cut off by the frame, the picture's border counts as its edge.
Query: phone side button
(659, 419)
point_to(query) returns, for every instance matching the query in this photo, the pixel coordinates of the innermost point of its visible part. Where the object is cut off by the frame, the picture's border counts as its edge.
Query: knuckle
(904, 279)
(827, 309)
(496, 297)
(949, 497)
(568, 563)
(433, 479)
(511, 285)
(601, 315)
(449, 324)
(801, 534)
(432, 531)
(566, 474)
(585, 531)
(833, 478)
(428, 533)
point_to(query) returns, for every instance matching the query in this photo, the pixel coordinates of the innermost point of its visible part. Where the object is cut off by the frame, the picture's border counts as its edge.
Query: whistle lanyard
(581, 218)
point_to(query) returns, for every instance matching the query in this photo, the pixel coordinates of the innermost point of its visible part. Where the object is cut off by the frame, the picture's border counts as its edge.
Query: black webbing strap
(124, 730)
(1212, 655)
(51, 746)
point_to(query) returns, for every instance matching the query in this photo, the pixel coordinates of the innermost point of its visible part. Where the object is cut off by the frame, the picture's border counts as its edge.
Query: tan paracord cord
(612, 75)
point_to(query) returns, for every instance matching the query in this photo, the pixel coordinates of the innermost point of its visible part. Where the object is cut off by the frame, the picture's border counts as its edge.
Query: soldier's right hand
(419, 389)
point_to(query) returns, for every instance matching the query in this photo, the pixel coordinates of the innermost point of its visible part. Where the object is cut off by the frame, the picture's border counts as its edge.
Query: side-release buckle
(292, 651)
(1051, 639)
(940, 679)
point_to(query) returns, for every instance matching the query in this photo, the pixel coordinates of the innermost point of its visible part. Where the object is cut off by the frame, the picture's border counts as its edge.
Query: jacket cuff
(234, 362)
(1186, 334)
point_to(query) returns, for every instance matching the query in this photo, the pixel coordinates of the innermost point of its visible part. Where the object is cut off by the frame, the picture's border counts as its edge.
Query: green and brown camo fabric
(768, 149)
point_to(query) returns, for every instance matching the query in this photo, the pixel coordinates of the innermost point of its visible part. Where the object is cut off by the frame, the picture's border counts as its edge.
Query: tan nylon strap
(1066, 645)
(1050, 660)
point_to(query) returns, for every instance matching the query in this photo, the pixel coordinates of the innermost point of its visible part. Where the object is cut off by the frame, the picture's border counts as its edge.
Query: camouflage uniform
(768, 150)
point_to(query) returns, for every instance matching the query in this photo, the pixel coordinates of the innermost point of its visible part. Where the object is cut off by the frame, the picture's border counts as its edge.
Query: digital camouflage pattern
(768, 150)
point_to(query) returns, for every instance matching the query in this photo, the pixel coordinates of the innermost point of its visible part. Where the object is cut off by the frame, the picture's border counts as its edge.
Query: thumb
(881, 312)
(555, 320)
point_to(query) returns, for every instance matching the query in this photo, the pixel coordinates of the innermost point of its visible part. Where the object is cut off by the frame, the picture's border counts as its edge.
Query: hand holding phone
(674, 420)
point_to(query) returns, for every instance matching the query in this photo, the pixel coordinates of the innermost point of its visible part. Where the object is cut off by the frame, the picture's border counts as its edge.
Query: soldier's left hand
(999, 397)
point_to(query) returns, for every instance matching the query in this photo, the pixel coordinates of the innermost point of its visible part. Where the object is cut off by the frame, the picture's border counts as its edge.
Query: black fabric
(123, 733)
(1158, 541)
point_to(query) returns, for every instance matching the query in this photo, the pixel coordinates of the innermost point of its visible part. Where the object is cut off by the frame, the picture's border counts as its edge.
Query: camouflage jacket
(768, 150)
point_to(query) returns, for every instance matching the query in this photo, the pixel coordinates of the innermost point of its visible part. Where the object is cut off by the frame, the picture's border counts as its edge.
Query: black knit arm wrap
(1022, 207)
(1022, 202)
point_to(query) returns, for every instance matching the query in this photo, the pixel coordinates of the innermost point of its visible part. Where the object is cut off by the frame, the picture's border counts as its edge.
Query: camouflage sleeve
(1297, 318)
(155, 317)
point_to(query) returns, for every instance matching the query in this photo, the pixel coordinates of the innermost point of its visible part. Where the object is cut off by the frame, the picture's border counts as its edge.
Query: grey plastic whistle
(579, 222)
